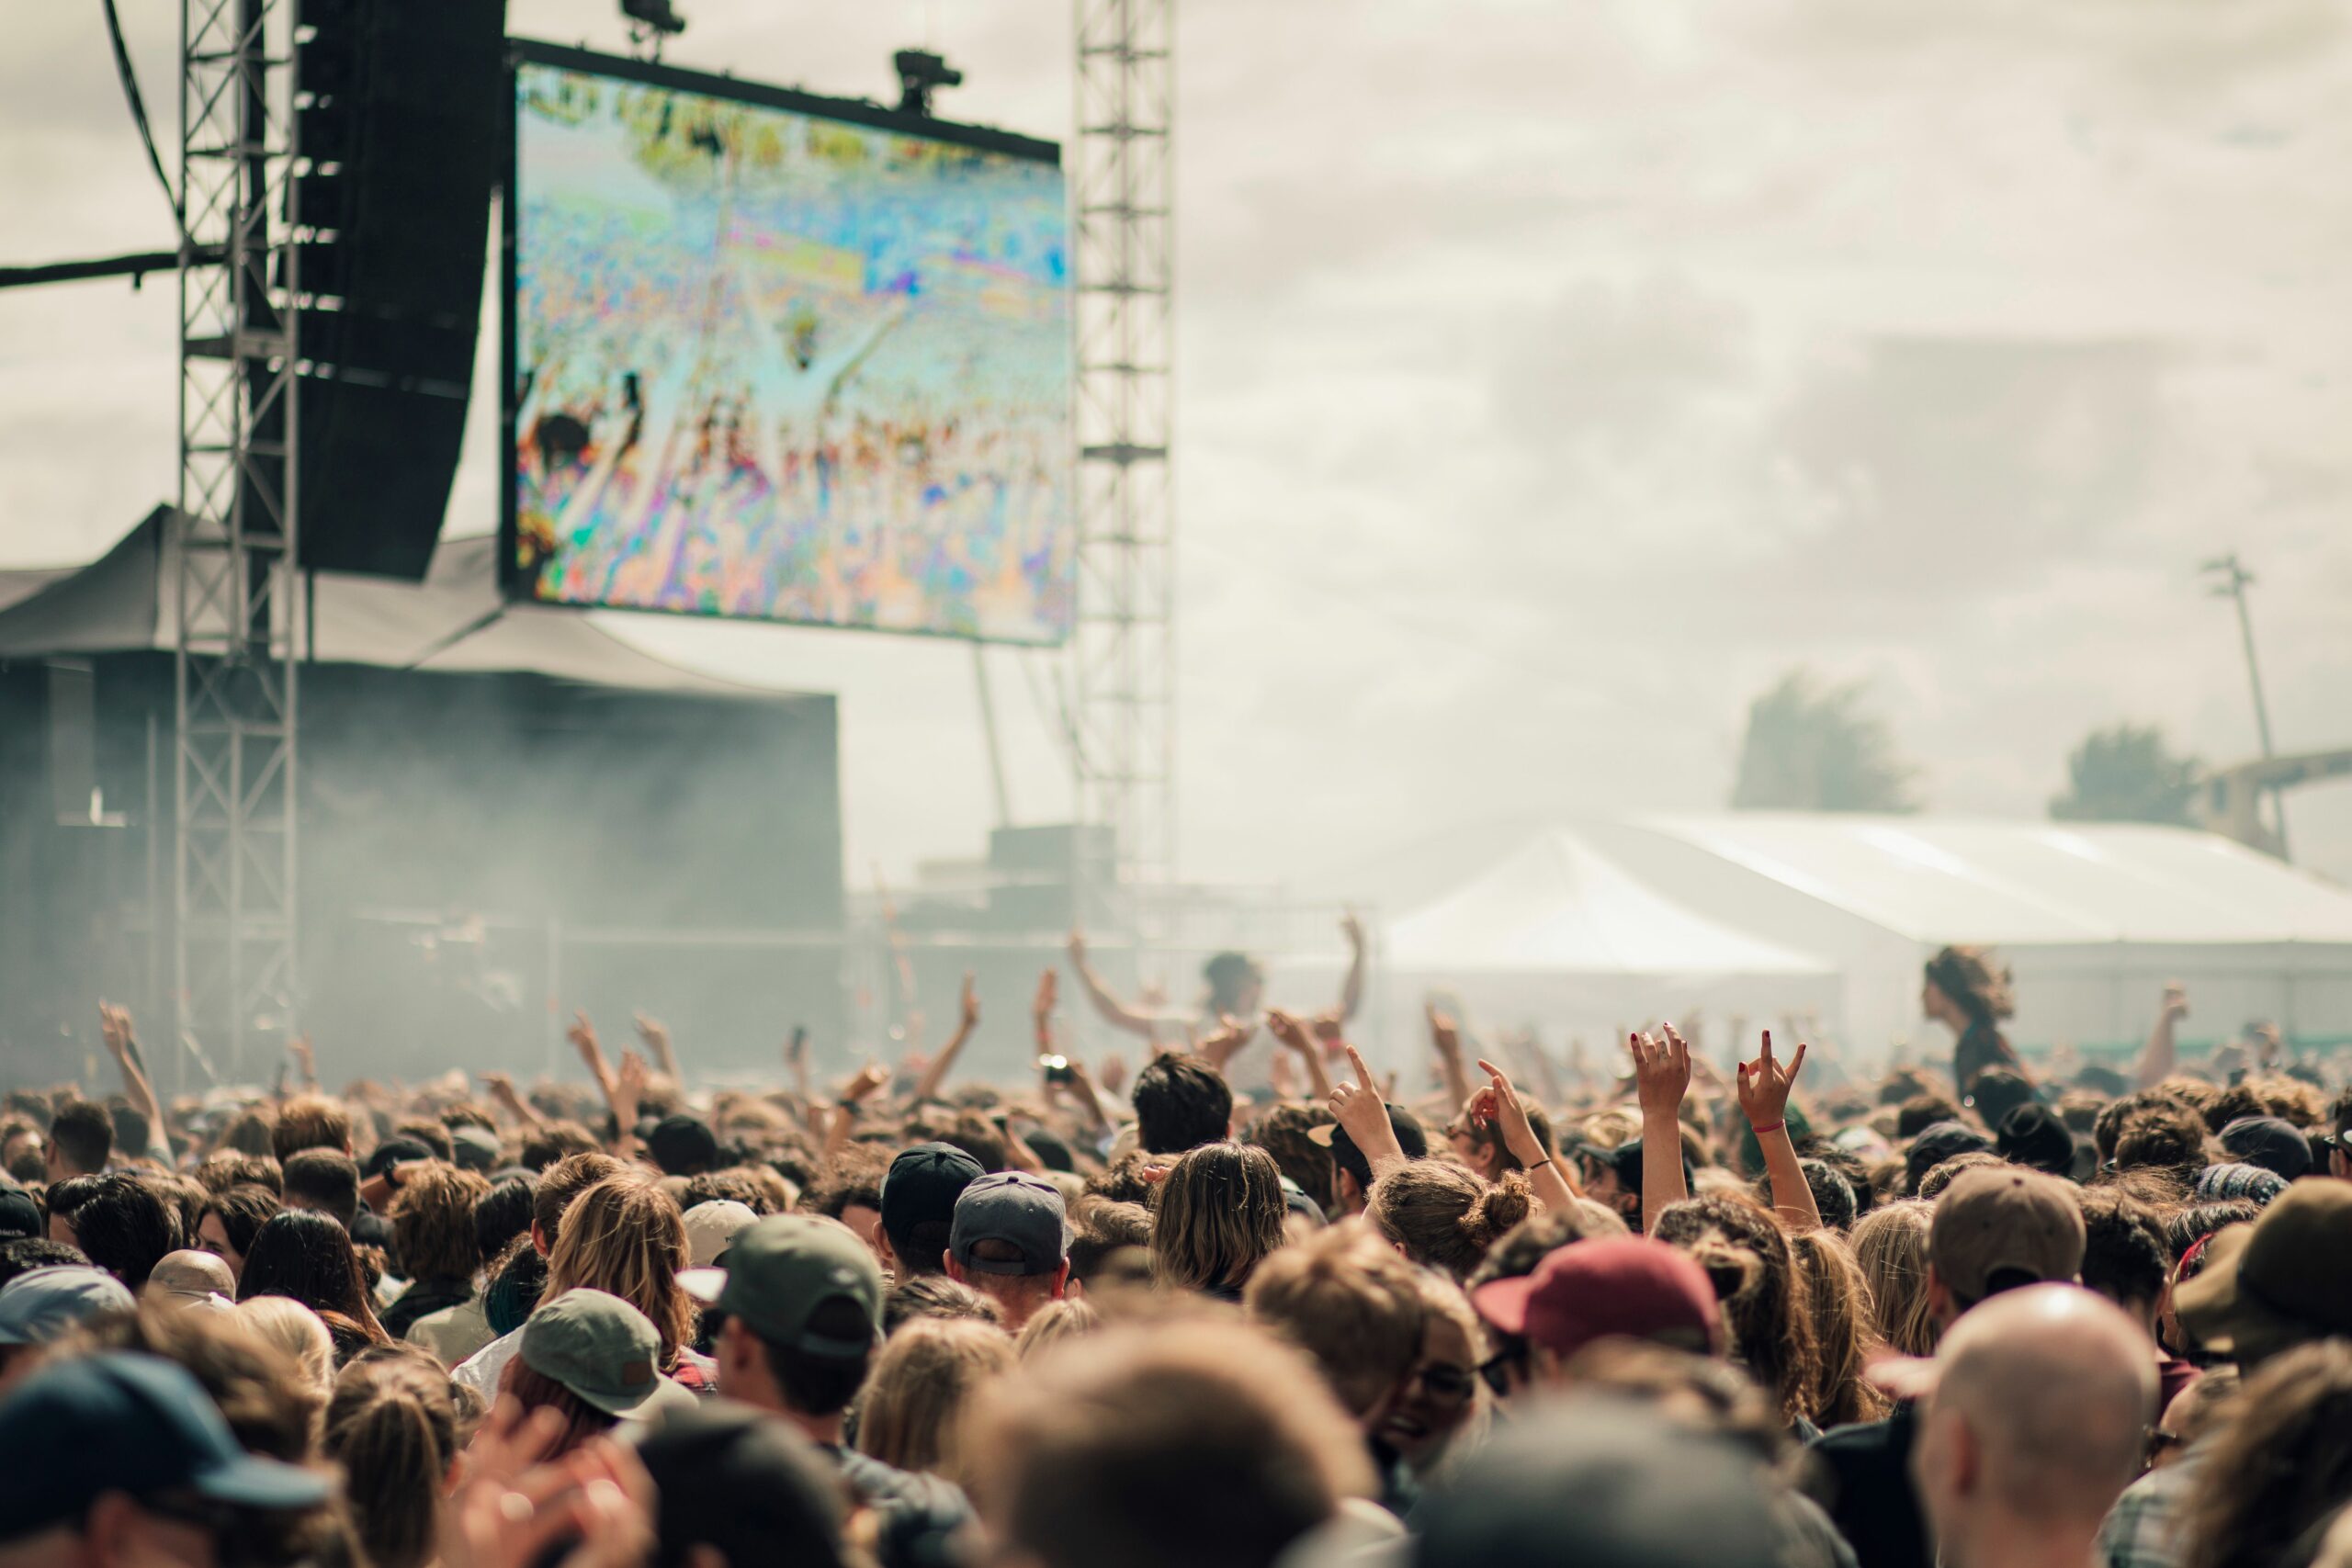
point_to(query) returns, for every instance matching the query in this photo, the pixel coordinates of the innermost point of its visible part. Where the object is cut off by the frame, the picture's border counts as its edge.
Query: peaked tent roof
(2023, 882)
(1557, 905)
(455, 620)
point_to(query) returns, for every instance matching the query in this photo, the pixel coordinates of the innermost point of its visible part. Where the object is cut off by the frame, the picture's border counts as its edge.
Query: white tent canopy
(2093, 918)
(1557, 935)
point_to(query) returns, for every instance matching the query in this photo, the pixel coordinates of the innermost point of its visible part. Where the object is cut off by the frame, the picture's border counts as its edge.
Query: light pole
(2230, 581)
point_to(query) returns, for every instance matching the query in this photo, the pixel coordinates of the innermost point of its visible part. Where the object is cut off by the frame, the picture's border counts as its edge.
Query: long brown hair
(1218, 1214)
(1747, 1257)
(1843, 1330)
(393, 1425)
(2281, 1466)
(625, 1236)
(1976, 985)
(914, 1400)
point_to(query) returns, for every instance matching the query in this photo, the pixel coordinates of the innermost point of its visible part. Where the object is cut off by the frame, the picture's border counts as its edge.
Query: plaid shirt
(2144, 1530)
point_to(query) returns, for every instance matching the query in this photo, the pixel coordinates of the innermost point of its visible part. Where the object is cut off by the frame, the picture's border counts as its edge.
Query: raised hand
(969, 1004)
(1444, 1033)
(653, 1033)
(629, 1086)
(869, 1079)
(1497, 1105)
(1289, 1033)
(1352, 928)
(1041, 1007)
(306, 1057)
(1359, 1109)
(582, 1035)
(2174, 1006)
(115, 1029)
(1764, 1086)
(1232, 1034)
(1661, 1073)
(1077, 946)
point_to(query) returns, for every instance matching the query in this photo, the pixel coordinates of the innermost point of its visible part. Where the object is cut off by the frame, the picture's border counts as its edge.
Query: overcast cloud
(1553, 378)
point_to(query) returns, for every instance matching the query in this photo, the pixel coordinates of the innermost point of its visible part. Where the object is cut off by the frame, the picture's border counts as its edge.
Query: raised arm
(1352, 988)
(655, 1034)
(1764, 1086)
(1661, 1077)
(1116, 1013)
(2161, 1055)
(869, 1078)
(1498, 1104)
(122, 1044)
(1295, 1036)
(1357, 1107)
(1445, 1037)
(967, 1018)
(502, 1089)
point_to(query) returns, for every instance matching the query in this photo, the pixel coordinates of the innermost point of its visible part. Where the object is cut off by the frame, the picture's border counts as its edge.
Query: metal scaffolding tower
(1124, 650)
(237, 597)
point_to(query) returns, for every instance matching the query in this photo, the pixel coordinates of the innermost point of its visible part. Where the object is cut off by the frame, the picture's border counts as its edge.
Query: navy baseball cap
(130, 1423)
(1017, 1208)
(39, 1304)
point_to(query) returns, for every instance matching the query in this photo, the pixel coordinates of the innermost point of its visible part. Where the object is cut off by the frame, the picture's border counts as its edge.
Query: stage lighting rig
(922, 73)
(652, 21)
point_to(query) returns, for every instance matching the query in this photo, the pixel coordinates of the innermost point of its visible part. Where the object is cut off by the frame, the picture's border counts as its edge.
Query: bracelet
(1541, 1163)
(1775, 1127)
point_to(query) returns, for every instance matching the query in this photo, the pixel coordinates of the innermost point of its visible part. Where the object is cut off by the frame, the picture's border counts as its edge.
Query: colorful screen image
(782, 365)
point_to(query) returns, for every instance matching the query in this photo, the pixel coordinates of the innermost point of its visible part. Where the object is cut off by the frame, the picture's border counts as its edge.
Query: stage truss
(1123, 654)
(236, 596)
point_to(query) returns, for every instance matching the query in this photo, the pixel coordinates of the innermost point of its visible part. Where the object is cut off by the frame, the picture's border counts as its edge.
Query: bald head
(2043, 1401)
(191, 1276)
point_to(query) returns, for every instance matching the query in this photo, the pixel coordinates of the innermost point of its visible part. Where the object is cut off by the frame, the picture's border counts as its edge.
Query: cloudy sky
(1554, 378)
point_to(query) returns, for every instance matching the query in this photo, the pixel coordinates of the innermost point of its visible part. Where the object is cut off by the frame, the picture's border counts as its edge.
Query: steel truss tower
(1124, 651)
(237, 607)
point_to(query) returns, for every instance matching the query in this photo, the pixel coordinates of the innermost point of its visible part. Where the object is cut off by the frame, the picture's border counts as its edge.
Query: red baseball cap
(1590, 1290)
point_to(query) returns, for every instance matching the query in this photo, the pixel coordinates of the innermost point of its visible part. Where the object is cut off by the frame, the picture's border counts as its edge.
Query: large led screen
(784, 358)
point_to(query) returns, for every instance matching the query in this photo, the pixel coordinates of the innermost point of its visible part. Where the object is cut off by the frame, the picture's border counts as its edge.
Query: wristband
(1541, 1163)
(1775, 1127)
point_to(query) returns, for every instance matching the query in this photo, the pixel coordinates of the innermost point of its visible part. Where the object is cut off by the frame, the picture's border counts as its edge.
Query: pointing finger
(1356, 1061)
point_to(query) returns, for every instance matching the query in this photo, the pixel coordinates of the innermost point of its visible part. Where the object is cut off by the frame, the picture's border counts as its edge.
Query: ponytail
(393, 1425)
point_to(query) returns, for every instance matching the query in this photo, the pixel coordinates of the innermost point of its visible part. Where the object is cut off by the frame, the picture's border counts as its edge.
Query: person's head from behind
(918, 1198)
(310, 1122)
(683, 1145)
(1351, 1171)
(118, 1459)
(624, 1236)
(42, 1306)
(1745, 1255)
(1219, 1213)
(2286, 1280)
(2038, 1420)
(1891, 1246)
(125, 1227)
(325, 1181)
(1355, 1307)
(558, 1185)
(1480, 1145)
(801, 1297)
(433, 1222)
(228, 1225)
(296, 1332)
(81, 1140)
(1193, 1446)
(2124, 1257)
(1838, 1302)
(393, 1425)
(1625, 1287)
(2277, 1466)
(1445, 1217)
(1999, 1230)
(1235, 984)
(1010, 1240)
(1180, 1103)
(594, 1361)
(501, 1216)
(740, 1489)
(309, 1257)
(1964, 986)
(927, 1373)
(1603, 1478)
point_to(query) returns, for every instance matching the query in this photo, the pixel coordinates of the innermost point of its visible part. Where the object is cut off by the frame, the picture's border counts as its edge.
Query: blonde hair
(914, 1401)
(1843, 1327)
(288, 1326)
(1890, 1247)
(1054, 1323)
(1218, 1214)
(623, 1236)
(1443, 1216)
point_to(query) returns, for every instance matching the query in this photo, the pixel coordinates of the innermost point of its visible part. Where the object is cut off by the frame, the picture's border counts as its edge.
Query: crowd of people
(1246, 1304)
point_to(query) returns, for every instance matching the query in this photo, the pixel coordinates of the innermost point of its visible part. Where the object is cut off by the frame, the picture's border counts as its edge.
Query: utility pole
(2230, 581)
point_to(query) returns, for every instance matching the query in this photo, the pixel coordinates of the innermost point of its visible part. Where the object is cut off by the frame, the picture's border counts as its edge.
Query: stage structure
(236, 598)
(1122, 656)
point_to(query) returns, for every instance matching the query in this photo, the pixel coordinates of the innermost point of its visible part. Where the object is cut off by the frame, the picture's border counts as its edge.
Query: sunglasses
(1445, 1384)
(1495, 1368)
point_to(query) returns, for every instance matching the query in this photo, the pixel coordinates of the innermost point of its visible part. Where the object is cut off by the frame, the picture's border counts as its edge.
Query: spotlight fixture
(657, 17)
(922, 73)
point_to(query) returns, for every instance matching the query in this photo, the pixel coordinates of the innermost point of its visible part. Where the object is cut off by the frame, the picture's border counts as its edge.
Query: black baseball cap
(744, 1483)
(20, 1215)
(1624, 1159)
(1015, 1207)
(920, 1188)
(1938, 1142)
(1604, 1482)
(390, 1152)
(1411, 1136)
(126, 1422)
(2271, 1142)
(2032, 1136)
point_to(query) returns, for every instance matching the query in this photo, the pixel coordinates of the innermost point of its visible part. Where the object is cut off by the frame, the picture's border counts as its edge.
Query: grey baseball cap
(1010, 1206)
(782, 1270)
(40, 1304)
(603, 1351)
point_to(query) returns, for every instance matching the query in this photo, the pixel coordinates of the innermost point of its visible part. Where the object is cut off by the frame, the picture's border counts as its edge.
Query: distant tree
(1810, 749)
(2127, 774)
